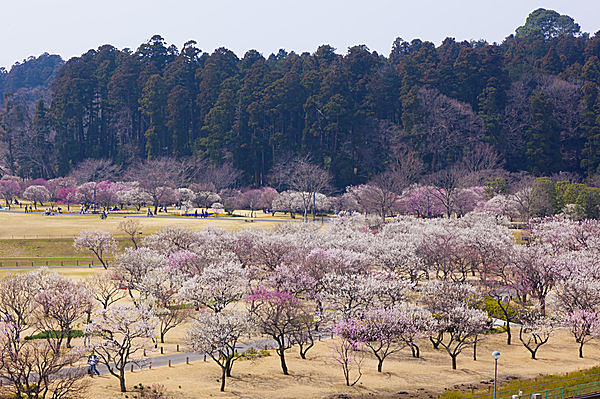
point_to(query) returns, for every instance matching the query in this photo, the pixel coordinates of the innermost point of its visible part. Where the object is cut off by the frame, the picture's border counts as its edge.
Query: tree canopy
(532, 100)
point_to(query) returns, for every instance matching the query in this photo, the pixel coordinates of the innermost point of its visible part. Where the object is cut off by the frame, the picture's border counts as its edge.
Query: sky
(71, 27)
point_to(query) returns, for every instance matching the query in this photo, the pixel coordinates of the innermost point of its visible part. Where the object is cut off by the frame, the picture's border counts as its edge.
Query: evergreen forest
(531, 103)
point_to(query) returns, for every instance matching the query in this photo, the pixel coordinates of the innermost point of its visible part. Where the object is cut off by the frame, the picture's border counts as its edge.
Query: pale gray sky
(71, 27)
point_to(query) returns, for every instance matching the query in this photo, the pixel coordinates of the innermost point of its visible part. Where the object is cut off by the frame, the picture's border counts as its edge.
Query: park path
(144, 363)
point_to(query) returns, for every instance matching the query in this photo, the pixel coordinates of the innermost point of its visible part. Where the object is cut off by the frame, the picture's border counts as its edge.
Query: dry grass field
(39, 226)
(321, 377)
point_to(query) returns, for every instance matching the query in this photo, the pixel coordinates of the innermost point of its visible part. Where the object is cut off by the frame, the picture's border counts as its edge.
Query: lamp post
(495, 355)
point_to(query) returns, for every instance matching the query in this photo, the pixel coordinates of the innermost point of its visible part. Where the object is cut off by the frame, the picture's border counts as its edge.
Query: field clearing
(321, 377)
(37, 226)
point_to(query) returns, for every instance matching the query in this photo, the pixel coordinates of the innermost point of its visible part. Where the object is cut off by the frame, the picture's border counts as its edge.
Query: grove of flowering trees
(380, 289)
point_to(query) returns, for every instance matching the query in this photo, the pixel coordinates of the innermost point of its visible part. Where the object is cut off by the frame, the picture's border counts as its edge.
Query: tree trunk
(122, 379)
(69, 337)
(453, 362)
(281, 353)
(542, 300)
(581, 350)
(162, 337)
(379, 364)
(436, 342)
(223, 374)
(229, 366)
(415, 350)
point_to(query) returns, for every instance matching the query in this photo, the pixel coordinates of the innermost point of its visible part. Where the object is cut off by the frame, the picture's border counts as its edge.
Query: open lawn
(48, 240)
(39, 226)
(320, 376)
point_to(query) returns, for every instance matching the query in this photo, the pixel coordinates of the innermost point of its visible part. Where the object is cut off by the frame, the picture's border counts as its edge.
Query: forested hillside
(531, 102)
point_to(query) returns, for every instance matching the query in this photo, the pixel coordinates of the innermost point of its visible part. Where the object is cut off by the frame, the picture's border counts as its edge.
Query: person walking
(93, 362)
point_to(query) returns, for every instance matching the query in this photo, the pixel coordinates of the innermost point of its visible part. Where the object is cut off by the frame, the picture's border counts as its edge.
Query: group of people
(203, 214)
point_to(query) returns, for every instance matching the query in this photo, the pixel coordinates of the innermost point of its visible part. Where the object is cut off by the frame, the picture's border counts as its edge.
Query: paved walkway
(182, 357)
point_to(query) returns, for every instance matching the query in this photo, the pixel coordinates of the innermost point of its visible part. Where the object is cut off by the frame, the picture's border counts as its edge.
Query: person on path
(93, 362)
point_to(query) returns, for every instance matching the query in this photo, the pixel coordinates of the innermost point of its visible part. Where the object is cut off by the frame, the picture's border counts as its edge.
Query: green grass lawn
(587, 379)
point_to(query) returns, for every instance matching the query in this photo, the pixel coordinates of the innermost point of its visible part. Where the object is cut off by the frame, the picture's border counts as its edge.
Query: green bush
(252, 354)
(493, 309)
(54, 334)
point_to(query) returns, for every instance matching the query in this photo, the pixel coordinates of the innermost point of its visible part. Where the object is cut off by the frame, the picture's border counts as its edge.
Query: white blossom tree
(118, 334)
(98, 242)
(161, 287)
(217, 286)
(36, 194)
(217, 334)
(535, 330)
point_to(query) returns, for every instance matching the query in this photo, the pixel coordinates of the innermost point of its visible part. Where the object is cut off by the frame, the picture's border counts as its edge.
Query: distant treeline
(530, 103)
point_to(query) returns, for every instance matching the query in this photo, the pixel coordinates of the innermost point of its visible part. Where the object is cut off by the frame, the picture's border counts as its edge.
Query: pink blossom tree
(380, 331)
(278, 315)
(106, 194)
(585, 326)
(251, 199)
(348, 350)
(9, 189)
(268, 194)
(68, 196)
(62, 303)
(417, 200)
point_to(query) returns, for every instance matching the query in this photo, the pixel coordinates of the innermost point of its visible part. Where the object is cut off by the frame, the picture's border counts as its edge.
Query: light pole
(495, 355)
